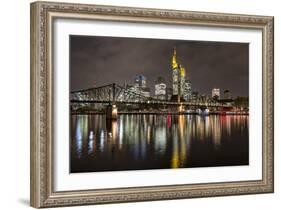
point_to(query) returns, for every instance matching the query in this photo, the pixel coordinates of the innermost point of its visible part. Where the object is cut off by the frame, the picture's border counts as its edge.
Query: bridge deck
(169, 103)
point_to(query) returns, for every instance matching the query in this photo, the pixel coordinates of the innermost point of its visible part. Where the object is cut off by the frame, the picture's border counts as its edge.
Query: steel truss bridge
(116, 94)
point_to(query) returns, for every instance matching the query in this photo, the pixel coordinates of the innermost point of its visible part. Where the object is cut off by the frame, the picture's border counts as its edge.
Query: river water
(139, 142)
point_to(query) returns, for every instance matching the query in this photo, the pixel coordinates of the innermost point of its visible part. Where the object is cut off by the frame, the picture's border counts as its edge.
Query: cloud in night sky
(97, 61)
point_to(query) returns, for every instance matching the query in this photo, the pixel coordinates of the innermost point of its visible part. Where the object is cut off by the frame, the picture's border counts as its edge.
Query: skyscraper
(194, 96)
(176, 74)
(187, 90)
(169, 93)
(145, 91)
(160, 88)
(216, 93)
(181, 86)
(226, 94)
(140, 82)
(140, 86)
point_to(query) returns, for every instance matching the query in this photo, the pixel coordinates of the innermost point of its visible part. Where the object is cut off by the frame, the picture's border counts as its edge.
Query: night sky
(97, 61)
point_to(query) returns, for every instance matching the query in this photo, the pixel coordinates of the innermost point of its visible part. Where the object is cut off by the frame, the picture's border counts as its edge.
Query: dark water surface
(138, 142)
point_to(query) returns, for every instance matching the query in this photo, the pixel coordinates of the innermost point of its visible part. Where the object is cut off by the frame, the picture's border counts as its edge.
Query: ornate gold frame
(42, 17)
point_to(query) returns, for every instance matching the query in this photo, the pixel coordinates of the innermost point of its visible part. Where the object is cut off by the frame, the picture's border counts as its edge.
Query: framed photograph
(135, 104)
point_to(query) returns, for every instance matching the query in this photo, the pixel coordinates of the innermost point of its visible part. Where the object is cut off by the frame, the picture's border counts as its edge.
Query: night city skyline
(97, 61)
(123, 117)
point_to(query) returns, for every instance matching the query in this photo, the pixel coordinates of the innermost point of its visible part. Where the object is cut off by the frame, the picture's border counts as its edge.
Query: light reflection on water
(157, 141)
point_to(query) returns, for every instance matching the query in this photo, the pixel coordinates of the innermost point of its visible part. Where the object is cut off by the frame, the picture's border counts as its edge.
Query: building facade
(169, 93)
(216, 93)
(140, 86)
(226, 94)
(176, 74)
(187, 90)
(181, 85)
(194, 96)
(145, 91)
(139, 82)
(160, 89)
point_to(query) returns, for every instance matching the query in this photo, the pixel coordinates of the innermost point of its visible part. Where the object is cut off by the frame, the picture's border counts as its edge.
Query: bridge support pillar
(111, 112)
(203, 110)
(180, 109)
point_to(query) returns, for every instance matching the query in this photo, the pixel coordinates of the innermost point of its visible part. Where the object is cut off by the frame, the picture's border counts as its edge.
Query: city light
(158, 121)
(179, 98)
(114, 112)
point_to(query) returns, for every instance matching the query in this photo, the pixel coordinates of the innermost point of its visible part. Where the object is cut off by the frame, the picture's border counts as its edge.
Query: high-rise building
(179, 79)
(160, 88)
(194, 96)
(169, 93)
(226, 94)
(140, 81)
(130, 88)
(145, 91)
(187, 90)
(176, 73)
(216, 93)
(203, 98)
(140, 86)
